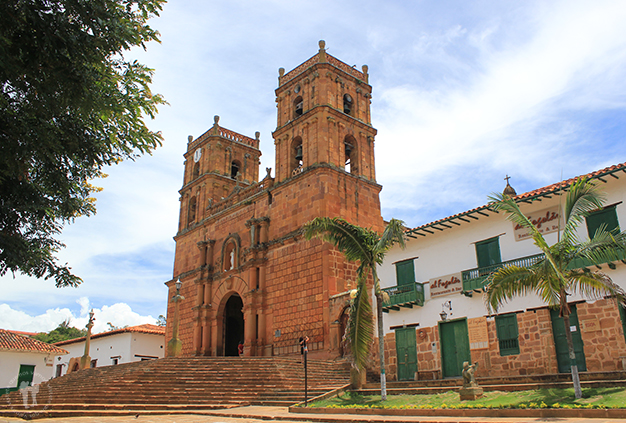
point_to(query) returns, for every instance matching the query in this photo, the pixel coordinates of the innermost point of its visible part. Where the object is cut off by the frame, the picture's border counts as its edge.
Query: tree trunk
(381, 346)
(572, 357)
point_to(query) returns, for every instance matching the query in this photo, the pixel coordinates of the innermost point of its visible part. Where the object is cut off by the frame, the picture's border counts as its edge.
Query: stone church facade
(247, 273)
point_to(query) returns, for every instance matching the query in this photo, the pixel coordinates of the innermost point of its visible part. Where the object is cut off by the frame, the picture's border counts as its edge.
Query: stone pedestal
(470, 393)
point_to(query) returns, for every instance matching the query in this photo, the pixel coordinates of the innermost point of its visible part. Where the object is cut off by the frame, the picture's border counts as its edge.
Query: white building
(134, 343)
(436, 316)
(25, 361)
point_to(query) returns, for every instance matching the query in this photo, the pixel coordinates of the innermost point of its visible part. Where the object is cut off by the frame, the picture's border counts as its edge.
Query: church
(247, 274)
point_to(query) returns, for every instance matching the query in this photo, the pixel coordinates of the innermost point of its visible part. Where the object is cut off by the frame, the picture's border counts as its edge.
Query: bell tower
(324, 118)
(216, 163)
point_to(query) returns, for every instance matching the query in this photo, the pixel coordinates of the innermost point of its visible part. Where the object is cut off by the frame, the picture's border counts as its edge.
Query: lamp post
(85, 360)
(443, 314)
(305, 352)
(175, 345)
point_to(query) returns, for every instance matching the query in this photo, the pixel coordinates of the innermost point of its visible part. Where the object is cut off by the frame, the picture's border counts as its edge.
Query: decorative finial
(216, 119)
(367, 77)
(257, 135)
(322, 52)
(281, 72)
(189, 138)
(508, 189)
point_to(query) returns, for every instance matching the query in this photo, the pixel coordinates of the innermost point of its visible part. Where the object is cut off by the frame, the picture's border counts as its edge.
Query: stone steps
(198, 382)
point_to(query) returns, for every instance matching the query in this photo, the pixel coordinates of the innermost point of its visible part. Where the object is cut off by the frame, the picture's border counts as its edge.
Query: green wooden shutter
(508, 334)
(488, 252)
(405, 272)
(607, 216)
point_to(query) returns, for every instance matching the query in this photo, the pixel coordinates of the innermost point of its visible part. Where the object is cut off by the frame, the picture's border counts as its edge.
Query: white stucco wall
(10, 363)
(126, 347)
(453, 250)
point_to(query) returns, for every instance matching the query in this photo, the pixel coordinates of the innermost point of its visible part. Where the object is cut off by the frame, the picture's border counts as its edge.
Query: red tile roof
(11, 341)
(19, 332)
(146, 328)
(466, 216)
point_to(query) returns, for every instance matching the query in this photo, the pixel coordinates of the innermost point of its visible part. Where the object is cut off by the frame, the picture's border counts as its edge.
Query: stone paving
(257, 414)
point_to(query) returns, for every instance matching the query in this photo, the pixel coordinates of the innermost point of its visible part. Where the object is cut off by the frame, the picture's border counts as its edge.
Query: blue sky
(464, 93)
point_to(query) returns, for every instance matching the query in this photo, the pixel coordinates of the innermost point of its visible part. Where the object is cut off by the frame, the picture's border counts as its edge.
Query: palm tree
(369, 249)
(558, 274)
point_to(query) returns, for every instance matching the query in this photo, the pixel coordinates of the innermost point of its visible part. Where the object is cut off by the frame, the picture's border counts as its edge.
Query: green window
(606, 216)
(506, 327)
(405, 272)
(488, 252)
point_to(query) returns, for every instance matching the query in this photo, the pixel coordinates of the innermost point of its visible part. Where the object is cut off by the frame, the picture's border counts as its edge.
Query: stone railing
(234, 136)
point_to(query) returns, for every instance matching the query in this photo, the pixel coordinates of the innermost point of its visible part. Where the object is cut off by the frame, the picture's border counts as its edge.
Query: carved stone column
(206, 337)
(264, 230)
(249, 315)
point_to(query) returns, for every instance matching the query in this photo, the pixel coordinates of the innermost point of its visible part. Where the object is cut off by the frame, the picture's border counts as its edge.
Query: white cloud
(118, 314)
(20, 320)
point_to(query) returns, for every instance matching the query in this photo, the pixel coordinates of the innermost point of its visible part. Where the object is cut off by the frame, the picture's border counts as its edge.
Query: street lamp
(175, 345)
(443, 314)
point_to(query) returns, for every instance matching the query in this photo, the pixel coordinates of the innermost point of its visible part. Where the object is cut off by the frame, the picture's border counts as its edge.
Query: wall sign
(546, 221)
(478, 335)
(445, 285)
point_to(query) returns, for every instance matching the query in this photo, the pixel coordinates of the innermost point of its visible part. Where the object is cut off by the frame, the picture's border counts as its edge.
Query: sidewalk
(253, 414)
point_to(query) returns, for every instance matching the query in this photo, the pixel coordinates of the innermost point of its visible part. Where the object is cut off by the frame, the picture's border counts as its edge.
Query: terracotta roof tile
(10, 341)
(146, 328)
(19, 332)
(521, 197)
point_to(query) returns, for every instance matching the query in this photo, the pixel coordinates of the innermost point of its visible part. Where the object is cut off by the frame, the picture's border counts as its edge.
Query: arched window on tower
(196, 170)
(297, 156)
(297, 107)
(347, 104)
(350, 154)
(191, 214)
(235, 166)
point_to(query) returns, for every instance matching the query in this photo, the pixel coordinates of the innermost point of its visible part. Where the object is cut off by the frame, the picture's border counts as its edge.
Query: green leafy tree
(161, 321)
(368, 248)
(63, 332)
(559, 274)
(70, 104)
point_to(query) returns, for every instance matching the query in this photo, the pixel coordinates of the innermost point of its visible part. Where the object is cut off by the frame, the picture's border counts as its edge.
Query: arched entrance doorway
(233, 325)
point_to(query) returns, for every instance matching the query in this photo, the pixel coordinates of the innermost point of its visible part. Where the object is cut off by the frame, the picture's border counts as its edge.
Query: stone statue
(470, 389)
(469, 380)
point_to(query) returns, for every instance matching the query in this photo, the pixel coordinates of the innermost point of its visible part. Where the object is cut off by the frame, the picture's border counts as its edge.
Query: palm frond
(351, 240)
(501, 202)
(583, 197)
(393, 234)
(595, 285)
(509, 282)
(604, 247)
(360, 326)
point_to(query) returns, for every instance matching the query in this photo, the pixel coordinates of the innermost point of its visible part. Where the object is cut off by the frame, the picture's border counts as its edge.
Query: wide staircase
(504, 384)
(184, 383)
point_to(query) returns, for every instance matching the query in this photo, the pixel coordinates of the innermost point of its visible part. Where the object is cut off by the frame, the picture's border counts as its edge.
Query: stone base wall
(599, 323)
